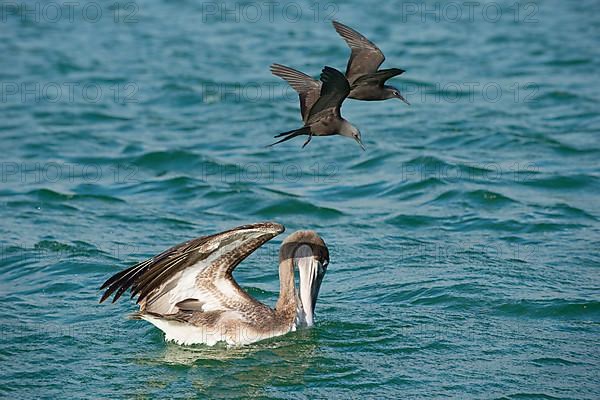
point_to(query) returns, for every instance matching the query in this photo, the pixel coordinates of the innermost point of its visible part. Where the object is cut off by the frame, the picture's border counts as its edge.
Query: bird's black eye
(396, 93)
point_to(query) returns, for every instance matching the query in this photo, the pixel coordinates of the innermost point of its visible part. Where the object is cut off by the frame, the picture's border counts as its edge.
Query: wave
(473, 198)
(298, 207)
(52, 196)
(564, 182)
(557, 308)
(530, 396)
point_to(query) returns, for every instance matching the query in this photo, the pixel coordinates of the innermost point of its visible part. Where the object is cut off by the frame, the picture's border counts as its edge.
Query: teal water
(464, 241)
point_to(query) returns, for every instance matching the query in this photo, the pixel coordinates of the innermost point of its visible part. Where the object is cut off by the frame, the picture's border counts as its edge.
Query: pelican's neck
(286, 304)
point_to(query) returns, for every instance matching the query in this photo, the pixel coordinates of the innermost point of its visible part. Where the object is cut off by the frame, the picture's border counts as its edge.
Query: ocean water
(464, 241)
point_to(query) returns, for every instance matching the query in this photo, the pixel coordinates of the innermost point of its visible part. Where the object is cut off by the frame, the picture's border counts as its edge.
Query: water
(463, 242)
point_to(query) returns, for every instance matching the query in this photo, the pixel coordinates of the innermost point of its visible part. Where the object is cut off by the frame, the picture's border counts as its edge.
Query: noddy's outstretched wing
(378, 78)
(195, 274)
(365, 57)
(333, 92)
(308, 88)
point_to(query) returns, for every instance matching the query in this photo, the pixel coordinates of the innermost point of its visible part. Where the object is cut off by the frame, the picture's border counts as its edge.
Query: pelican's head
(349, 130)
(394, 93)
(311, 257)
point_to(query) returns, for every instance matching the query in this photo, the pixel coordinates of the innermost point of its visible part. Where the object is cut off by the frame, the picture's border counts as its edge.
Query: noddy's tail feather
(305, 130)
(286, 133)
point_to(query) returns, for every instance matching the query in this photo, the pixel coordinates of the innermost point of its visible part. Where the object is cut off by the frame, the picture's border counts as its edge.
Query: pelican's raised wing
(195, 274)
(308, 88)
(365, 57)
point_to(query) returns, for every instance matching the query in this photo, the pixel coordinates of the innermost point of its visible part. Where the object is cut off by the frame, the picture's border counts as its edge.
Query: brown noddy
(366, 81)
(320, 104)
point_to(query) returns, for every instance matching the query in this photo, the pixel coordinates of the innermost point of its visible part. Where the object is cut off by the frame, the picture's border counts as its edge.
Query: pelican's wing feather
(196, 273)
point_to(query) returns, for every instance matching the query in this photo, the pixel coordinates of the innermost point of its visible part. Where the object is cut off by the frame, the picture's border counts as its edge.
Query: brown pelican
(366, 81)
(189, 293)
(319, 104)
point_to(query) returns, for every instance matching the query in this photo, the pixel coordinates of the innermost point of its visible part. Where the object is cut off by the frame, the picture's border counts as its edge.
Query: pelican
(189, 293)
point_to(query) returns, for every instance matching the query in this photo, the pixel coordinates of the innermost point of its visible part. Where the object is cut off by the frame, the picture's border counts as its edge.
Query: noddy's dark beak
(403, 99)
(359, 141)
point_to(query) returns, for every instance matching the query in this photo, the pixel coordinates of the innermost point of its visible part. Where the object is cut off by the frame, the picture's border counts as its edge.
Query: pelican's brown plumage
(188, 291)
(367, 82)
(320, 104)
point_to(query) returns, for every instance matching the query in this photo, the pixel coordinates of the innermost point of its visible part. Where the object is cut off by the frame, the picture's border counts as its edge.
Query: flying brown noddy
(320, 104)
(366, 82)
